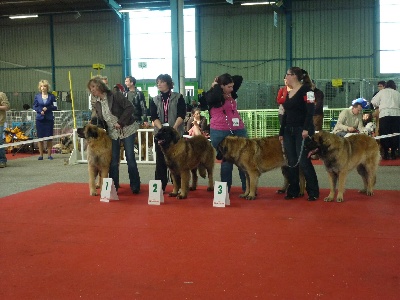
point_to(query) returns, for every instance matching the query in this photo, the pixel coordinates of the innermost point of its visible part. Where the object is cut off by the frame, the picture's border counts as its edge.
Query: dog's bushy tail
(202, 171)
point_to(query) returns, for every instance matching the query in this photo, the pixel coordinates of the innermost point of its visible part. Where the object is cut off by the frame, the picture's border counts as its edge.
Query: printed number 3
(219, 189)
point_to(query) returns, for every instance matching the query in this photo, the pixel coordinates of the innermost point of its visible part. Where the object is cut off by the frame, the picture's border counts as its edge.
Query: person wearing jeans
(4, 106)
(225, 119)
(115, 112)
(226, 167)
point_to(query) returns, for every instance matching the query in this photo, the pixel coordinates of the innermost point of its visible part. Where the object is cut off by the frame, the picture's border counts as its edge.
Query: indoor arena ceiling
(41, 7)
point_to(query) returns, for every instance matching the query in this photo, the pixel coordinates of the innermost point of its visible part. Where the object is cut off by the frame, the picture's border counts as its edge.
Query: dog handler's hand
(117, 126)
(281, 138)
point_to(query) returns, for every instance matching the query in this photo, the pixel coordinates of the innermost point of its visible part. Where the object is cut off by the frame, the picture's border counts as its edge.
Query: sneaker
(40, 158)
(50, 157)
(3, 164)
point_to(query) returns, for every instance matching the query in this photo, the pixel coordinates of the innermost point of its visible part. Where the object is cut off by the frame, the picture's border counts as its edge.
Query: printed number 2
(155, 188)
(219, 189)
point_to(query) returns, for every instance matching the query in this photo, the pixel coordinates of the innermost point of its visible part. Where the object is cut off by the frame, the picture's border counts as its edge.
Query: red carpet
(57, 242)
(10, 156)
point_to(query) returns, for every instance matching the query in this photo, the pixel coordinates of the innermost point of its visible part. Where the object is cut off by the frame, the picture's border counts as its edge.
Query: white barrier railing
(78, 155)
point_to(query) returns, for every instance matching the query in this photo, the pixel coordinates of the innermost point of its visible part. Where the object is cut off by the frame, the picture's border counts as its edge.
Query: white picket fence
(78, 155)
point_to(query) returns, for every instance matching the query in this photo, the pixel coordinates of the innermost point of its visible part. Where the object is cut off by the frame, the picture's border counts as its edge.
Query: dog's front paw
(339, 199)
(172, 194)
(243, 195)
(93, 193)
(328, 199)
(249, 197)
(180, 196)
(366, 192)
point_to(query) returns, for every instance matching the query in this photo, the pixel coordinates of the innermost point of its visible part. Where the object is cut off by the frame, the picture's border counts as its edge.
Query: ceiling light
(258, 3)
(23, 16)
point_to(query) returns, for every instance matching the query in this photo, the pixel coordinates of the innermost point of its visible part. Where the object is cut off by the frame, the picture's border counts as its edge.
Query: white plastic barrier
(78, 155)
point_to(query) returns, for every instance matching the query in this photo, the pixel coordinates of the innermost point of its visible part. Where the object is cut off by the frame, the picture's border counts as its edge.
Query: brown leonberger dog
(256, 156)
(98, 154)
(341, 155)
(185, 156)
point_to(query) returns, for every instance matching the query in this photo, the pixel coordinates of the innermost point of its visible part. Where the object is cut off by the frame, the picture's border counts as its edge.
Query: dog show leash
(301, 152)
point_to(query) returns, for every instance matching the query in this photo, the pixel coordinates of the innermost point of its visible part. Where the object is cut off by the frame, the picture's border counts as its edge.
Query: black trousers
(161, 167)
(387, 125)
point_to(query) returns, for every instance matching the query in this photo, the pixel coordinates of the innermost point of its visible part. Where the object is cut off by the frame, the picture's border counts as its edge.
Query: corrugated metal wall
(78, 44)
(330, 39)
(242, 41)
(334, 39)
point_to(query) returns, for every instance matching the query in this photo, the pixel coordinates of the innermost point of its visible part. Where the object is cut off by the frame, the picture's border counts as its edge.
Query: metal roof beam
(115, 6)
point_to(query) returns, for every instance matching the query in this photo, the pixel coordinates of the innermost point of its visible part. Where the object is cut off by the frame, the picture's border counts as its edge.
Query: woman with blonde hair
(44, 104)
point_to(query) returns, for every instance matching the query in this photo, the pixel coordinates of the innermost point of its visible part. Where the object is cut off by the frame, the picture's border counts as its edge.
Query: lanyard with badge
(165, 104)
(235, 121)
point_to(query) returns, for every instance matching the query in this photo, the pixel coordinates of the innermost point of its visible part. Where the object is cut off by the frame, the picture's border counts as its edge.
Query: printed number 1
(107, 186)
(219, 189)
(155, 188)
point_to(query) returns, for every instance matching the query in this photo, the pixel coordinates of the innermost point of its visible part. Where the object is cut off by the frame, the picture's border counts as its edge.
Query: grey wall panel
(24, 54)
(241, 41)
(78, 44)
(331, 39)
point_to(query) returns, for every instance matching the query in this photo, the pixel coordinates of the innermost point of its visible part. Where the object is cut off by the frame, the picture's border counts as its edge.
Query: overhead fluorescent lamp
(23, 16)
(258, 3)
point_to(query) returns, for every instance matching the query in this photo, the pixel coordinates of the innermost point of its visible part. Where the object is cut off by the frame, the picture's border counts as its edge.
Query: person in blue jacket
(44, 104)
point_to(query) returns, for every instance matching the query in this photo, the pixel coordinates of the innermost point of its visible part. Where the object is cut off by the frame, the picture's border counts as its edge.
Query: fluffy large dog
(341, 155)
(256, 156)
(98, 154)
(184, 156)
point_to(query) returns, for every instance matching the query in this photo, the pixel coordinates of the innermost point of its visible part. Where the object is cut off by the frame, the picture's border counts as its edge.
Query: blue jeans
(226, 167)
(129, 145)
(3, 158)
(292, 141)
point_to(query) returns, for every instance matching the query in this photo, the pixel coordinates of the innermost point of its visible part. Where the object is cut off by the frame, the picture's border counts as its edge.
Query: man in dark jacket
(136, 97)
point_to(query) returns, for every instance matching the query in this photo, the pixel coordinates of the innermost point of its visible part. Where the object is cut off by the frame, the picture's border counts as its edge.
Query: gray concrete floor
(28, 173)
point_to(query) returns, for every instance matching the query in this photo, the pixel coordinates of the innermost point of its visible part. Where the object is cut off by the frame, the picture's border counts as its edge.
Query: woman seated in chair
(197, 124)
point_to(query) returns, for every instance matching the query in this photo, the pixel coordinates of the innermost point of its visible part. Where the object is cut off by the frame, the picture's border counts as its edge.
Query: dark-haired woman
(166, 109)
(113, 109)
(225, 119)
(297, 125)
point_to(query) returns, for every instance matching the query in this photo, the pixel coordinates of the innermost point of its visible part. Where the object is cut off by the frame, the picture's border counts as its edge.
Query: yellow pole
(72, 98)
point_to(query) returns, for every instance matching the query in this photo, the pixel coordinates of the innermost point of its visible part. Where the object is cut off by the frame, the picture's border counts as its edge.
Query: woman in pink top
(225, 119)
